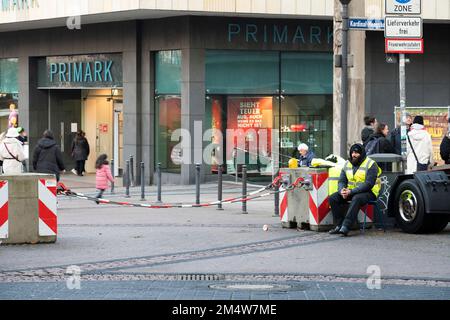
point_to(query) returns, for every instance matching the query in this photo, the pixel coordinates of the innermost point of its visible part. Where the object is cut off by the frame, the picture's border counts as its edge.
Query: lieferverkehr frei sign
(83, 71)
(403, 27)
(15, 5)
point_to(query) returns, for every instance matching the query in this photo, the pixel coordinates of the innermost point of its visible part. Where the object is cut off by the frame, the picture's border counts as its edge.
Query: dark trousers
(80, 167)
(100, 193)
(357, 201)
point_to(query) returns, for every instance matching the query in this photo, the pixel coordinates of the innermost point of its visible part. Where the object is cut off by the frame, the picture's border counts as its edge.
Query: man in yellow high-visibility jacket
(359, 184)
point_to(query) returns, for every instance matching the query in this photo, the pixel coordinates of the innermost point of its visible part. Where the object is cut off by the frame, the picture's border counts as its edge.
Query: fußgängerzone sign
(81, 71)
(403, 6)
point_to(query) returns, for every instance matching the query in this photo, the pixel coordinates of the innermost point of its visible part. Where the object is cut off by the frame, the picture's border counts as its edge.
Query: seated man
(305, 155)
(359, 184)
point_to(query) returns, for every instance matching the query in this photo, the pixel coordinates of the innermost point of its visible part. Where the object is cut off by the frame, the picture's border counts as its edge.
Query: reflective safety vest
(333, 179)
(355, 180)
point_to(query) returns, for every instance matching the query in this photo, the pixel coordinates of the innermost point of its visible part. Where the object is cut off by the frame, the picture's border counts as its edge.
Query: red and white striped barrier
(4, 197)
(369, 214)
(284, 216)
(319, 208)
(48, 219)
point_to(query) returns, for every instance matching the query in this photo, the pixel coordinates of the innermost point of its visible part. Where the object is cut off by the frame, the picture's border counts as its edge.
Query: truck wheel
(409, 208)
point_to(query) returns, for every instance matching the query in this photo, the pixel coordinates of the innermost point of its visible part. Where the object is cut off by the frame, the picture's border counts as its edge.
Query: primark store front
(132, 85)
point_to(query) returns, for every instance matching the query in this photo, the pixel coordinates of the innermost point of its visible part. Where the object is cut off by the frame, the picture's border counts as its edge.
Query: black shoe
(335, 230)
(344, 231)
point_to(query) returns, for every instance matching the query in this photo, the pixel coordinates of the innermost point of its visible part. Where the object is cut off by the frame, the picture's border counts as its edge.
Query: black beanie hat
(418, 120)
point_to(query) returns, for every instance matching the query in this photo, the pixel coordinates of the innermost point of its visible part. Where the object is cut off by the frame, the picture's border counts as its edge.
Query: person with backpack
(419, 148)
(378, 143)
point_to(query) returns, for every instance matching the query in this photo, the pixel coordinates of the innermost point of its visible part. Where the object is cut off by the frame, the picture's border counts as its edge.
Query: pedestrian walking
(396, 135)
(369, 129)
(419, 148)
(47, 156)
(80, 152)
(102, 175)
(11, 153)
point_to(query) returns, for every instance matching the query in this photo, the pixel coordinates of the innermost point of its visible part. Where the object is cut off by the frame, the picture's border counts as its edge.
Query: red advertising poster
(254, 118)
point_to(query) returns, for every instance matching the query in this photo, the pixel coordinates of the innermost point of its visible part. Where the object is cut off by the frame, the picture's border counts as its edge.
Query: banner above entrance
(79, 72)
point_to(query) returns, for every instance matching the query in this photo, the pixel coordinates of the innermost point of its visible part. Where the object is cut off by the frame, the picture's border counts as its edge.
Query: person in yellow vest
(358, 183)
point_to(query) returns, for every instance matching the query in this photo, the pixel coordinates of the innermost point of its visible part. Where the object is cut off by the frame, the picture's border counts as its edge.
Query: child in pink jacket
(103, 175)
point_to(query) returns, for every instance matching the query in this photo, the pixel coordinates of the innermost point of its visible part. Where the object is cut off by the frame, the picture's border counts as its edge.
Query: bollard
(244, 188)
(142, 182)
(219, 187)
(197, 183)
(277, 198)
(112, 172)
(127, 180)
(132, 180)
(158, 170)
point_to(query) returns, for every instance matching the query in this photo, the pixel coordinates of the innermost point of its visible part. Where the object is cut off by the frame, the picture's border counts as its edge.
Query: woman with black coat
(47, 156)
(445, 149)
(80, 152)
(384, 145)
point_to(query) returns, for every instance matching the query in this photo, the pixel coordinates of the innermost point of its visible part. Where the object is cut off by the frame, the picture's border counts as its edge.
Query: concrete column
(147, 115)
(132, 100)
(193, 107)
(356, 75)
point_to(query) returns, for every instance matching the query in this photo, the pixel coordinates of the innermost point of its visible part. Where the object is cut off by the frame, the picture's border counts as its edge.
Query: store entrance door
(65, 119)
(102, 114)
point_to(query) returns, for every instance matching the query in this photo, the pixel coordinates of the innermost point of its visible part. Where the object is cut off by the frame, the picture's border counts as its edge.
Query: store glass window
(241, 72)
(168, 109)
(253, 92)
(9, 93)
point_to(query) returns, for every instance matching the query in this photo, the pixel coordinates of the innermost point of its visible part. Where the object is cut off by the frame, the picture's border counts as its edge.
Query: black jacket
(396, 140)
(80, 149)
(445, 149)
(47, 157)
(385, 144)
(365, 135)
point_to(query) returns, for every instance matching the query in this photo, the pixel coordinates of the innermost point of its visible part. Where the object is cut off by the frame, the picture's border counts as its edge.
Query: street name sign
(403, 6)
(366, 24)
(403, 27)
(404, 45)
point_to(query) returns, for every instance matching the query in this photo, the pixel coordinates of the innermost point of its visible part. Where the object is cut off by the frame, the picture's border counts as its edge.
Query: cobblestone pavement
(204, 254)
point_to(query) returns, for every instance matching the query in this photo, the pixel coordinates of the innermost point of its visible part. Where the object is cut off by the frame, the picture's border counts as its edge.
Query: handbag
(420, 166)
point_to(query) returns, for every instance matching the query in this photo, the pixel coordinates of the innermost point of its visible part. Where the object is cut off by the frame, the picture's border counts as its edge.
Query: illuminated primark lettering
(279, 34)
(91, 71)
(11, 5)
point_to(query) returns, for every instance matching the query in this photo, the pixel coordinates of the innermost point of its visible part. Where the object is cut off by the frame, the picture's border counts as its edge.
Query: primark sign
(83, 71)
(18, 5)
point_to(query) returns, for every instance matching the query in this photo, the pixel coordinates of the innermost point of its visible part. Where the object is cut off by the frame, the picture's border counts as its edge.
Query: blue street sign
(366, 24)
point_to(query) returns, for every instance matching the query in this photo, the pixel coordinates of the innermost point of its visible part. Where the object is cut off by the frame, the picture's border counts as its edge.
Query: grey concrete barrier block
(23, 208)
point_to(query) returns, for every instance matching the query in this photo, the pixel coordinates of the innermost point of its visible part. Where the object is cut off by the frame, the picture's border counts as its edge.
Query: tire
(409, 208)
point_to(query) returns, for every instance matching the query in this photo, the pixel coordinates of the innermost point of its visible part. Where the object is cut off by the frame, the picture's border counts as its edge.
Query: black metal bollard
(197, 183)
(142, 182)
(277, 199)
(112, 173)
(132, 180)
(219, 187)
(158, 171)
(244, 189)
(127, 180)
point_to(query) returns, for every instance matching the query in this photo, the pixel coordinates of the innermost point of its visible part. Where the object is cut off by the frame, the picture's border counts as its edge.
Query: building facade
(135, 75)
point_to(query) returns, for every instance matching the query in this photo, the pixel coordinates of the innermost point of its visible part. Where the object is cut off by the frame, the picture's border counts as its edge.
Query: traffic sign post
(403, 34)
